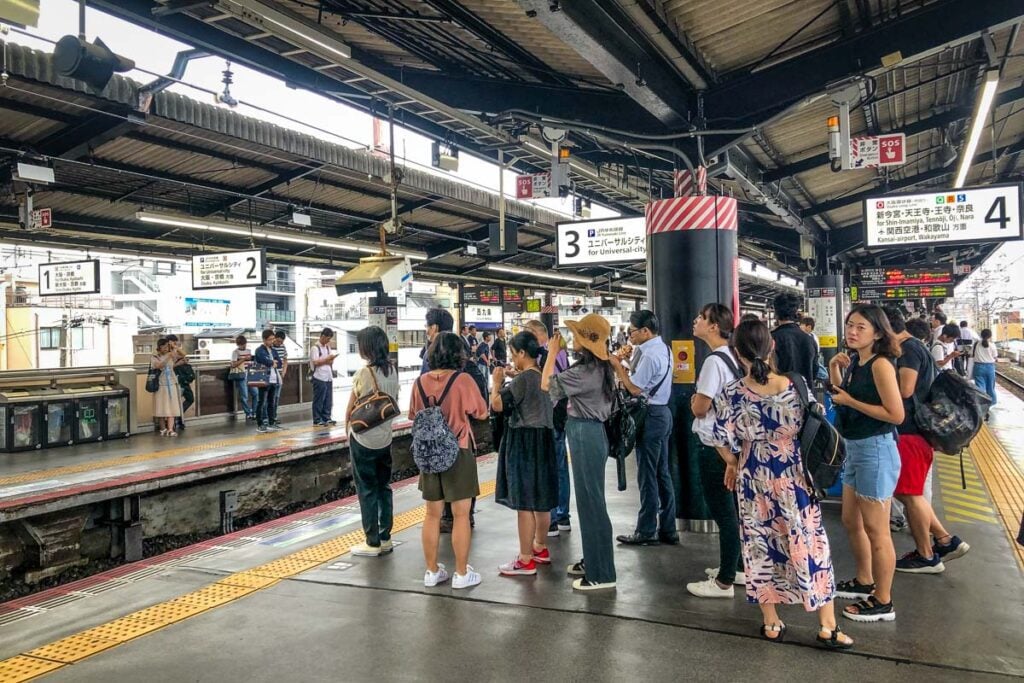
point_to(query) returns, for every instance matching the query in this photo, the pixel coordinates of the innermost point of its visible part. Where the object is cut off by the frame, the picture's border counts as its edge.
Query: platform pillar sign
(383, 313)
(691, 261)
(825, 304)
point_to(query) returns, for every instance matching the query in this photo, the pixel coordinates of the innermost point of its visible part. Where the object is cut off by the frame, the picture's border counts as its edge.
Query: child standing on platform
(527, 475)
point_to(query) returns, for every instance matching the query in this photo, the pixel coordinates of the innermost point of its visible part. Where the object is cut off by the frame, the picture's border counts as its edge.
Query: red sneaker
(518, 568)
(541, 556)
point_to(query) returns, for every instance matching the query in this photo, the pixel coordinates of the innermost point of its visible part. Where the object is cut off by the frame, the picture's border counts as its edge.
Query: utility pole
(65, 321)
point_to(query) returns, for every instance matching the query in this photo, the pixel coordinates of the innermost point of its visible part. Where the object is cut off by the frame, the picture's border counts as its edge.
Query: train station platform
(285, 601)
(37, 482)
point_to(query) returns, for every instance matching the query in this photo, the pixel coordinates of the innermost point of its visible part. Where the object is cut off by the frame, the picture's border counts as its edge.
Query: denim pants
(721, 503)
(561, 513)
(247, 396)
(657, 496)
(985, 378)
(589, 446)
(323, 400)
(266, 409)
(371, 469)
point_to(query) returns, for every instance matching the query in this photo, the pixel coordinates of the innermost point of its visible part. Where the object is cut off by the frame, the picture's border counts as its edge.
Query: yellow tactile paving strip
(72, 649)
(1005, 483)
(967, 506)
(39, 475)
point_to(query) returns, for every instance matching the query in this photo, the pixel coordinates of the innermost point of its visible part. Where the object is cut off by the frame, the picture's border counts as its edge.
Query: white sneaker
(470, 578)
(365, 550)
(386, 547)
(740, 580)
(431, 579)
(709, 588)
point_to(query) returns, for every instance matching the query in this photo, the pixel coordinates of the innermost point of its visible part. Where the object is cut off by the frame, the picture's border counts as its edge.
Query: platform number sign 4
(966, 215)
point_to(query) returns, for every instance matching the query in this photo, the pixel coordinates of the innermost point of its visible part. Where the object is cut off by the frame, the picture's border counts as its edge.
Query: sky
(261, 96)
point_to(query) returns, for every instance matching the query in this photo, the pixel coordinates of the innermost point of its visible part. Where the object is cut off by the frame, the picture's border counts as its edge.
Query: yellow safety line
(965, 495)
(969, 505)
(1005, 483)
(38, 475)
(958, 512)
(75, 648)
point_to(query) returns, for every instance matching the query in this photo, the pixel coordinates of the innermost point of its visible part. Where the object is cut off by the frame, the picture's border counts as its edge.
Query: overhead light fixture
(981, 110)
(159, 218)
(539, 273)
(290, 26)
(635, 288)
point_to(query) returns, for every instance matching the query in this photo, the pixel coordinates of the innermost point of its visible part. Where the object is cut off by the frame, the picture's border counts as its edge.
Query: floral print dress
(785, 548)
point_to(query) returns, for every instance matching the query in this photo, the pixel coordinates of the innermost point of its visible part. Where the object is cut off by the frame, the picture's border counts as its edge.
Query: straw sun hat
(591, 332)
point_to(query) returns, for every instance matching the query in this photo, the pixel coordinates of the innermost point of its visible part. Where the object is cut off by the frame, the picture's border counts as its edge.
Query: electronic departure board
(512, 295)
(899, 293)
(480, 295)
(897, 276)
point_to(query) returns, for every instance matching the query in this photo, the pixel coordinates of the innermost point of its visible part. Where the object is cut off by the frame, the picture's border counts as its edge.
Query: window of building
(351, 348)
(81, 338)
(49, 338)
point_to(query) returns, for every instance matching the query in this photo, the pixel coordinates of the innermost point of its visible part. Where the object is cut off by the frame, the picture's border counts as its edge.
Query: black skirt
(527, 471)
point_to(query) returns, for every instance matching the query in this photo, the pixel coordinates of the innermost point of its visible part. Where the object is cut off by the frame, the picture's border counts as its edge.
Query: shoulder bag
(153, 380)
(373, 409)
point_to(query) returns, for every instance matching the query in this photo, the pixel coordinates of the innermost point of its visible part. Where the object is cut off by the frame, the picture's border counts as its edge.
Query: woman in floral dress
(785, 548)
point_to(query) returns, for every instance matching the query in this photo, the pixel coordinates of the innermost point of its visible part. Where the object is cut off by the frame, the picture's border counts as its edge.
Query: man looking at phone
(944, 349)
(321, 360)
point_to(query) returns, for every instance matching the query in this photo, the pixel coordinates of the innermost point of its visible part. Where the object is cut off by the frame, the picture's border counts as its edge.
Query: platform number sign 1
(966, 215)
(229, 269)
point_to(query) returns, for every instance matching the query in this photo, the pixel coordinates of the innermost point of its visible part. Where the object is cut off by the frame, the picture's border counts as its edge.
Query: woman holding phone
(866, 391)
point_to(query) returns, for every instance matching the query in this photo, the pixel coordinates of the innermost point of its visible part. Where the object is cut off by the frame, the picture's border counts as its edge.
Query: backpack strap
(727, 359)
(811, 428)
(423, 394)
(447, 387)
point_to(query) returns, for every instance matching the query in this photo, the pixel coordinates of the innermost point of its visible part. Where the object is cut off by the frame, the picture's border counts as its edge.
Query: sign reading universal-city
(69, 277)
(229, 269)
(609, 240)
(980, 214)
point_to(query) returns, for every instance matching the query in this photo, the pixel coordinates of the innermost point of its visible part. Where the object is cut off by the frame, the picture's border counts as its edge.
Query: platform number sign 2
(229, 269)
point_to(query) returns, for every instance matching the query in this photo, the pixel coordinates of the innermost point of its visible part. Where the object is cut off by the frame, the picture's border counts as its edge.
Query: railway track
(1014, 382)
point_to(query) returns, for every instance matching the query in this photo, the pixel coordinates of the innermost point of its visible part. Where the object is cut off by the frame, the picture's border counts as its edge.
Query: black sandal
(779, 628)
(833, 642)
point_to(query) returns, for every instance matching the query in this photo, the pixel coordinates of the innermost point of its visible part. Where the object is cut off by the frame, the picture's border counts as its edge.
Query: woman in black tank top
(866, 389)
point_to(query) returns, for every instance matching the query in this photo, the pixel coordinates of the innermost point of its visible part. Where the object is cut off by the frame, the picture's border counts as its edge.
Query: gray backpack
(434, 446)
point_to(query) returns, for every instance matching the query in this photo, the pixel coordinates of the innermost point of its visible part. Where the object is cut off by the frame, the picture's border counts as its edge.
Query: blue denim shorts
(872, 466)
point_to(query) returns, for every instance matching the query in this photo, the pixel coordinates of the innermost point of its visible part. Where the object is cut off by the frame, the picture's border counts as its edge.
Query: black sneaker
(637, 539)
(851, 590)
(871, 610)
(576, 569)
(446, 525)
(553, 530)
(956, 548)
(668, 539)
(913, 563)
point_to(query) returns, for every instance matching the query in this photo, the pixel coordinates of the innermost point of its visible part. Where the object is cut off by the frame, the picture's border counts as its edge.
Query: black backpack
(952, 414)
(727, 359)
(821, 446)
(629, 413)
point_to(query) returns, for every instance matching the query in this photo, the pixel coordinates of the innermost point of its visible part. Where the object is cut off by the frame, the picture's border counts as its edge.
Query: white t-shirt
(324, 372)
(940, 351)
(362, 384)
(714, 375)
(983, 355)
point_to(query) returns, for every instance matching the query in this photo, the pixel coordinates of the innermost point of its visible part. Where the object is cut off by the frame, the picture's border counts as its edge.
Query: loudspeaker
(511, 247)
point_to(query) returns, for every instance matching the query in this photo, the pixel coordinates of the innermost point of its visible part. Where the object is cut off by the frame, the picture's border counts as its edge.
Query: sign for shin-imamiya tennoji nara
(968, 215)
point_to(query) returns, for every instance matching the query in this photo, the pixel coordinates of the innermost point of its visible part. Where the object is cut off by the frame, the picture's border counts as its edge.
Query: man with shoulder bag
(652, 367)
(321, 360)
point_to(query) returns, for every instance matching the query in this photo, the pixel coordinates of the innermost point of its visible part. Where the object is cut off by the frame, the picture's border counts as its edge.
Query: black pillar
(691, 261)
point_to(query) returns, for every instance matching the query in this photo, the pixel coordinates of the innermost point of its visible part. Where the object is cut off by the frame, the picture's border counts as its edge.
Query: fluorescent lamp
(539, 273)
(160, 218)
(295, 28)
(978, 123)
(635, 288)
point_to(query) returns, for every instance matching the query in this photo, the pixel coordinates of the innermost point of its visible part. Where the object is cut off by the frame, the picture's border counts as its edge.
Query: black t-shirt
(499, 350)
(915, 357)
(860, 383)
(795, 351)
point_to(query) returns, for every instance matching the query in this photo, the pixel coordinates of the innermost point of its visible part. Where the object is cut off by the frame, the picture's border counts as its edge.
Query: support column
(692, 260)
(825, 304)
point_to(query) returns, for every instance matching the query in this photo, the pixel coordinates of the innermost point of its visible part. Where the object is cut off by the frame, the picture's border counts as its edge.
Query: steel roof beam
(752, 98)
(88, 133)
(265, 187)
(607, 38)
(916, 128)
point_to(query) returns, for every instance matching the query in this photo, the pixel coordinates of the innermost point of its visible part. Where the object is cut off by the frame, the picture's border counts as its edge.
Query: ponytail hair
(985, 336)
(753, 343)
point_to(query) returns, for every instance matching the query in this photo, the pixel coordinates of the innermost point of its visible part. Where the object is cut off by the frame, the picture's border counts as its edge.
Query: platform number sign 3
(606, 240)
(572, 244)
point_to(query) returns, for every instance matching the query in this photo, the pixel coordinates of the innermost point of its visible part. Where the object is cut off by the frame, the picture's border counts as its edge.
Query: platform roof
(482, 73)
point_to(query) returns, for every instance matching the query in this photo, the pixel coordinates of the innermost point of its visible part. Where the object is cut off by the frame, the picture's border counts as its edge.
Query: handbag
(153, 380)
(373, 409)
(257, 377)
